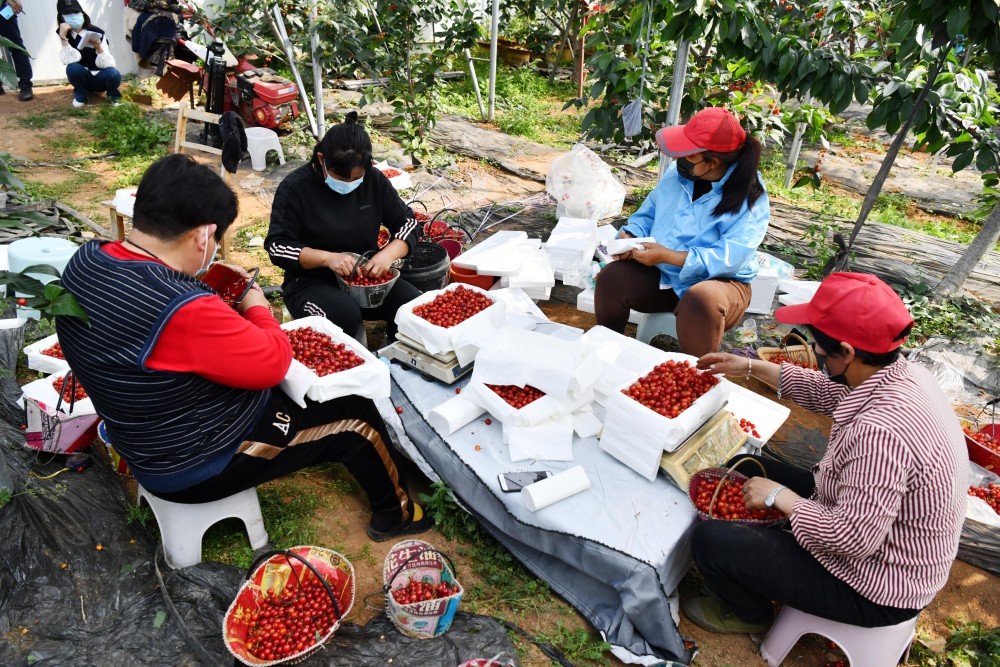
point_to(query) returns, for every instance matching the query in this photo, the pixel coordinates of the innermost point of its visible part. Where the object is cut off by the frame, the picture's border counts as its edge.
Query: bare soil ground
(971, 594)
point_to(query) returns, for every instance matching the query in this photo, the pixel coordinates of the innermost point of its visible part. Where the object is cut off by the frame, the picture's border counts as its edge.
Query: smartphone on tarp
(512, 482)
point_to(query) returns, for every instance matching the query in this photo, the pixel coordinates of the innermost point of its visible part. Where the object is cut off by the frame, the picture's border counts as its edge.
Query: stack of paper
(502, 254)
(535, 276)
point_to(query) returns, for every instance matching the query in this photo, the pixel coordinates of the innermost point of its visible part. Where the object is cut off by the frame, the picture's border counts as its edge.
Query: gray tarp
(616, 551)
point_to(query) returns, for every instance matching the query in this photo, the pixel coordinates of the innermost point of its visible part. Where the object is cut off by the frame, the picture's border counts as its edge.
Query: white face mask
(206, 261)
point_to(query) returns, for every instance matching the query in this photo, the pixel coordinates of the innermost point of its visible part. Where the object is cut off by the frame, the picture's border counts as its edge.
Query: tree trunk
(890, 156)
(985, 240)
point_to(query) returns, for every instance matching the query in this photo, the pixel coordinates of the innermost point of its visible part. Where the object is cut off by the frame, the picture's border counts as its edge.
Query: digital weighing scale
(443, 367)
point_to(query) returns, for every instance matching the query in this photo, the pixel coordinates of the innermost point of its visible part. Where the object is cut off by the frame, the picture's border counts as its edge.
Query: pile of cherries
(782, 358)
(364, 281)
(391, 172)
(54, 351)
(749, 427)
(515, 396)
(983, 439)
(729, 505)
(319, 353)
(292, 621)
(420, 216)
(383, 237)
(61, 386)
(991, 494)
(671, 388)
(453, 307)
(421, 591)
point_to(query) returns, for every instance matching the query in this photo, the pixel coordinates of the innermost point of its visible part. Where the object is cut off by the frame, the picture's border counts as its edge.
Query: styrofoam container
(766, 415)
(762, 290)
(797, 291)
(42, 391)
(43, 363)
(370, 379)
(401, 182)
(463, 338)
(500, 255)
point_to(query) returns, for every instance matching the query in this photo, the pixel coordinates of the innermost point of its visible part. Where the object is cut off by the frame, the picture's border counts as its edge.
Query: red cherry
(399, 410)
(320, 353)
(488, 421)
(453, 307)
(22, 301)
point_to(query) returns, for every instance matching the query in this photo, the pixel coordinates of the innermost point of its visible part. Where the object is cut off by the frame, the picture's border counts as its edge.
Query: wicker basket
(271, 573)
(799, 353)
(720, 474)
(367, 296)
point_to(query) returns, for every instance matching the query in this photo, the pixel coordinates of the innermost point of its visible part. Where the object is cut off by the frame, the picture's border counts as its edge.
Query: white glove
(105, 60)
(68, 55)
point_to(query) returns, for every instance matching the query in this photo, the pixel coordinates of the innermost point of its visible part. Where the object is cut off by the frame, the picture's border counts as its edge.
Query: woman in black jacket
(333, 205)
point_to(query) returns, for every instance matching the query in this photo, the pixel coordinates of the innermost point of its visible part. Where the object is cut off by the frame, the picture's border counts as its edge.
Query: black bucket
(427, 267)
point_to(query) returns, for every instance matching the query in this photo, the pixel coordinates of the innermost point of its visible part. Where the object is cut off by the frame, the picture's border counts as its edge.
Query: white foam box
(500, 255)
(763, 288)
(401, 182)
(43, 363)
(797, 291)
(370, 379)
(463, 338)
(572, 241)
(585, 303)
(535, 274)
(42, 391)
(767, 415)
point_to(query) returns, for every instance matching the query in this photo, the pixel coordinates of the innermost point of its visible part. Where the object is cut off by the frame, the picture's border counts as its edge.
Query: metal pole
(278, 27)
(676, 94)
(475, 83)
(317, 73)
(494, 29)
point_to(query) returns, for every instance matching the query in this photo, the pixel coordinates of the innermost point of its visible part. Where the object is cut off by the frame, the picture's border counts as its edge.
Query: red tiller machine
(261, 96)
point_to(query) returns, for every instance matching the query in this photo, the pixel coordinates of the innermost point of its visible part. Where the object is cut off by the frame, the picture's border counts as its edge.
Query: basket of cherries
(717, 493)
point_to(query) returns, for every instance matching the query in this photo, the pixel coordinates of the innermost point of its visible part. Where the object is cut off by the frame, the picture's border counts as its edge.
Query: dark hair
(743, 184)
(344, 147)
(86, 19)
(177, 194)
(833, 348)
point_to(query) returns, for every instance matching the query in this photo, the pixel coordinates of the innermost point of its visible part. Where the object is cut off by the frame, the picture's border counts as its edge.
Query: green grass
(527, 104)
(128, 131)
(43, 119)
(969, 645)
(849, 140)
(130, 168)
(64, 190)
(503, 584)
(890, 208)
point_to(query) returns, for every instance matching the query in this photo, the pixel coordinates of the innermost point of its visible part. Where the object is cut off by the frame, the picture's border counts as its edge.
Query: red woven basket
(720, 474)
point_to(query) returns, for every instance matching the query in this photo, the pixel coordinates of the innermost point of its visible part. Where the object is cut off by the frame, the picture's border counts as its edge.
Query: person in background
(333, 205)
(707, 215)
(90, 67)
(10, 30)
(874, 526)
(189, 392)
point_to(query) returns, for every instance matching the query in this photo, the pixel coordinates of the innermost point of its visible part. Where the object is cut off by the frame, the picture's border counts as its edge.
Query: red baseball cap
(855, 308)
(711, 129)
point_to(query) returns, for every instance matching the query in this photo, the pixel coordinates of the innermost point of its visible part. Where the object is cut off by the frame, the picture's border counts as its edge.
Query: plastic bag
(583, 186)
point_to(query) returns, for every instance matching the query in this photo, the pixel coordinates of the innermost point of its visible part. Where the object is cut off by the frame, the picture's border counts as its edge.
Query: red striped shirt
(891, 488)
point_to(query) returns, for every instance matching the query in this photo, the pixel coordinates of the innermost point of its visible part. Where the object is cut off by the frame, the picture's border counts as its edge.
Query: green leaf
(962, 161)
(161, 616)
(958, 19)
(861, 92)
(785, 64)
(986, 161)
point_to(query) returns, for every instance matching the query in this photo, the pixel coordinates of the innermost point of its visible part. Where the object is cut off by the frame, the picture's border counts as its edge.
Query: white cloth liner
(549, 491)
(370, 380)
(43, 363)
(463, 339)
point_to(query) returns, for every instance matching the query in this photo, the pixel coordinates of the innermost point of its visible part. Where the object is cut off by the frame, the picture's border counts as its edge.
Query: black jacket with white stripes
(307, 214)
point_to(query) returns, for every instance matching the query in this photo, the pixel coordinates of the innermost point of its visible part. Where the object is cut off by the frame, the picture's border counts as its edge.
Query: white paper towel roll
(453, 414)
(558, 487)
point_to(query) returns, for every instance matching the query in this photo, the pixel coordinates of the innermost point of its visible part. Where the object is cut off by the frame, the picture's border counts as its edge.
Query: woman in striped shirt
(874, 526)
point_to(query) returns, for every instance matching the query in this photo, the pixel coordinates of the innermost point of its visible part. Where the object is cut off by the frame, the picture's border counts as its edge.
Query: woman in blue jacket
(707, 215)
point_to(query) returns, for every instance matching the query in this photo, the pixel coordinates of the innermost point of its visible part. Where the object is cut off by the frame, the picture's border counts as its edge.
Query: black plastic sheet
(78, 585)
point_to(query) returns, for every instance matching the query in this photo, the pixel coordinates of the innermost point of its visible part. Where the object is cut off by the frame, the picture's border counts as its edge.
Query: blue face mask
(343, 187)
(75, 21)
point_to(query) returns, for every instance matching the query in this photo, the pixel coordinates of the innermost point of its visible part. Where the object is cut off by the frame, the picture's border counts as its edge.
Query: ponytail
(743, 184)
(344, 147)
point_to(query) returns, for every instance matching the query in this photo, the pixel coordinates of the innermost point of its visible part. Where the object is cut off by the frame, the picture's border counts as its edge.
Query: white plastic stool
(260, 140)
(182, 526)
(652, 324)
(864, 647)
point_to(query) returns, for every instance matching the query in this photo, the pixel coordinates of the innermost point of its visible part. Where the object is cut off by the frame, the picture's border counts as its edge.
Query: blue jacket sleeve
(739, 236)
(641, 222)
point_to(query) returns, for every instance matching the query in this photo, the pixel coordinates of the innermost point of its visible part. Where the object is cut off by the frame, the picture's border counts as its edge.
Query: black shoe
(406, 528)
(25, 94)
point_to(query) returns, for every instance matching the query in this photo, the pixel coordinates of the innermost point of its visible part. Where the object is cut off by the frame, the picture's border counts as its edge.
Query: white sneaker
(77, 105)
